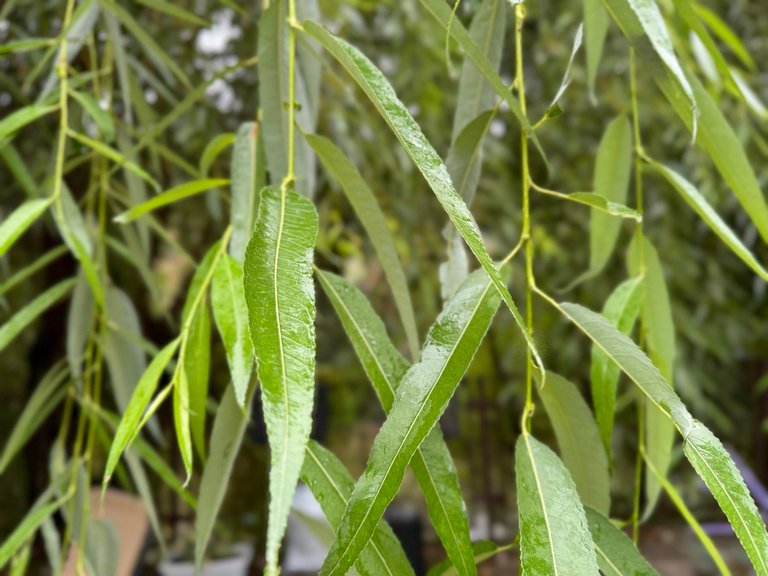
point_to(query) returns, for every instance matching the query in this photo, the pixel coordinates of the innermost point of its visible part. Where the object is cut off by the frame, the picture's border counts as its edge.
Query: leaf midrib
(539, 490)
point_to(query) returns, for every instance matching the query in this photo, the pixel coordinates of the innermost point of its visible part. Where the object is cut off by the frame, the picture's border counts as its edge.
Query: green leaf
(659, 338)
(373, 220)
(16, 223)
(248, 178)
(182, 420)
(554, 538)
(616, 554)
(197, 362)
(25, 45)
(24, 317)
(622, 310)
(19, 169)
(102, 547)
(176, 11)
(611, 181)
(101, 117)
(420, 400)
(601, 204)
(213, 150)
(332, 486)
(281, 310)
(46, 396)
(145, 388)
(579, 440)
(703, 450)
(26, 529)
(721, 29)
(487, 33)
(482, 549)
(378, 89)
(713, 464)
(114, 155)
(643, 19)
(169, 197)
(385, 368)
(79, 322)
(699, 204)
(40, 264)
(595, 30)
(230, 312)
(17, 120)
(227, 436)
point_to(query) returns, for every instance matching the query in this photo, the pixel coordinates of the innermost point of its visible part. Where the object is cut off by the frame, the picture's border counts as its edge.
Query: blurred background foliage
(720, 307)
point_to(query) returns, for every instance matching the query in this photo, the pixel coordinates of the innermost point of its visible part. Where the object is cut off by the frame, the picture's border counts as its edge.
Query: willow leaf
(703, 450)
(381, 93)
(16, 121)
(419, 402)
(197, 362)
(145, 388)
(616, 554)
(373, 220)
(721, 29)
(175, 194)
(231, 315)
(332, 485)
(603, 205)
(483, 550)
(385, 368)
(226, 438)
(554, 537)
(26, 529)
(280, 295)
(24, 317)
(176, 11)
(622, 310)
(101, 117)
(248, 178)
(700, 205)
(17, 222)
(659, 337)
(579, 440)
(595, 30)
(214, 149)
(182, 420)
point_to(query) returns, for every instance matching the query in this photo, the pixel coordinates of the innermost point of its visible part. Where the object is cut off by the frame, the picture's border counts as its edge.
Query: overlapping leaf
(616, 554)
(248, 178)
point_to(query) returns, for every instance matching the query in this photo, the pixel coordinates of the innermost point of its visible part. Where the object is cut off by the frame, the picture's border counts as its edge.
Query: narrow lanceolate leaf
(603, 205)
(231, 315)
(700, 205)
(643, 18)
(703, 450)
(182, 420)
(16, 121)
(197, 361)
(280, 295)
(213, 150)
(483, 550)
(380, 92)
(419, 402)
(616, 554)
(432, 462)
(595, 30)
(554, 537)
(100, 117)
(659, 337)
(579, 441)
(226, 438)
(248, 178)
(24, 317)
(145, 388)
(611, 181)
(713, 464)
(375, 223)
(15, 224)
(175, 194)
(26, 529)
(332, 485)
(622, 310)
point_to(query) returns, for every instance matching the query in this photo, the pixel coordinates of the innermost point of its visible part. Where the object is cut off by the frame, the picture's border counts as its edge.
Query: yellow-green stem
(292, 25)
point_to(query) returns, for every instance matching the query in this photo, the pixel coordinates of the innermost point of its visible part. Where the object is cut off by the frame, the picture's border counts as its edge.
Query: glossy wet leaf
(616, 554)
(579, 441)
(554, 537)
(374, 221)
(18, 221)
(596, 22)
(331, 484)
(248, 178)
(280, 294)
(29, 313)
(713, 464)
(230, 313)
(385, 368)
(419, 402)
(705, 211)
(227, 436)
(175, 194)
(381, 93)
(659, 340)
(17, 120)
(145, 389)
(622, 310)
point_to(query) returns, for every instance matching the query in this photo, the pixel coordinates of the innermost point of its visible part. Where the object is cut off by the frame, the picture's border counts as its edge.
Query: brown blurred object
(130, 519)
